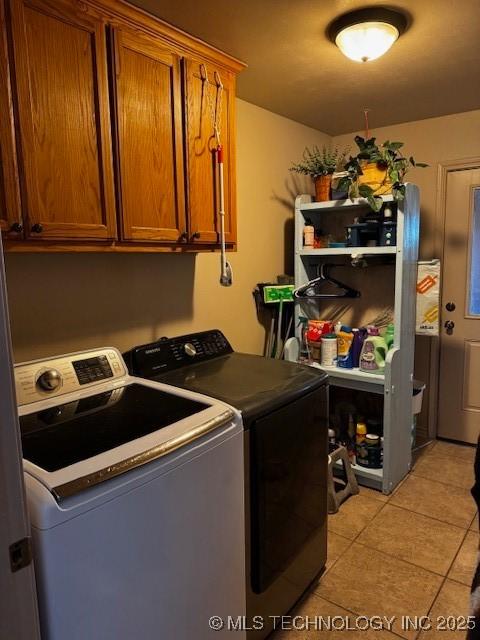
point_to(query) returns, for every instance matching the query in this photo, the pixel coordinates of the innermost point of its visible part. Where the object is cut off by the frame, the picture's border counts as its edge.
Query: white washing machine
(135, 493)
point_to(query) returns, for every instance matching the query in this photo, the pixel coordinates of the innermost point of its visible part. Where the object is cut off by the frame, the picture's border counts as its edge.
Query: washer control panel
(93, 369)
(41, 379)
(171, 353)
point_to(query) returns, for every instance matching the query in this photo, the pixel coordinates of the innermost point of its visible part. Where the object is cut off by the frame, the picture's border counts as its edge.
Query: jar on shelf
(369, 452)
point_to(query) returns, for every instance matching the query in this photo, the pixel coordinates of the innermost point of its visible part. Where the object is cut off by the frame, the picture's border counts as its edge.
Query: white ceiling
(295, 71)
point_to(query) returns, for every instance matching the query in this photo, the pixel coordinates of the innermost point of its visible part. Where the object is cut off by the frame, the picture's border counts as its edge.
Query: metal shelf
(348, 251)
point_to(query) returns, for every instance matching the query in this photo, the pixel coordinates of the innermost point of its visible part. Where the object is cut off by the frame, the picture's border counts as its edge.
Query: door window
(474, 277)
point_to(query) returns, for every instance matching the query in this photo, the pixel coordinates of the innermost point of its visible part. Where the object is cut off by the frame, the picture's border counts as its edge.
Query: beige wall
(435, 141)
(60, 303)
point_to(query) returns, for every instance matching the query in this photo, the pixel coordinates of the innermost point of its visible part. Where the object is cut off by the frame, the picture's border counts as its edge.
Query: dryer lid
(253, 384)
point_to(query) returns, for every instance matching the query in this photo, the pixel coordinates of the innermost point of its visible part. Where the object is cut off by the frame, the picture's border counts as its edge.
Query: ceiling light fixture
(366, 34)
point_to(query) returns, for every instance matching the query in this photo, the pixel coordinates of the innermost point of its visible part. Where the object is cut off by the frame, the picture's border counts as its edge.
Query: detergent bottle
(389, 336)
(344, 348)
(374, 351)
(359, 336)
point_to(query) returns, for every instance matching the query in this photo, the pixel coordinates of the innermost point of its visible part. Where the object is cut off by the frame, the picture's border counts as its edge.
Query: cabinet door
(10, 212)
(202, 175)
(149, 139)
(62, 86)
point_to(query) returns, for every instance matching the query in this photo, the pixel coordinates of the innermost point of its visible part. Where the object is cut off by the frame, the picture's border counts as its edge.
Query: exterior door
(10, 212)
(60, 59)
(202, 176)
(149, 139)
(459, 397)
(18, 600)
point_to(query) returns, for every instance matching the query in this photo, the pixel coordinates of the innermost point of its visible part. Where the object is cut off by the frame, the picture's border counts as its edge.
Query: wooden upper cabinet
(108, 113)
(202, 175)
(149, 152)
(60, 58)
(10, 210)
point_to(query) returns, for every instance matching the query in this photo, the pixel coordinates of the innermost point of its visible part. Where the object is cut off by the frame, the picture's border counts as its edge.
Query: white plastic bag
(428, 298)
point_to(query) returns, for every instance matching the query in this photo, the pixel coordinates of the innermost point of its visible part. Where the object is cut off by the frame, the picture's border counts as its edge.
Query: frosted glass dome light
(366, 34)
(366, 41)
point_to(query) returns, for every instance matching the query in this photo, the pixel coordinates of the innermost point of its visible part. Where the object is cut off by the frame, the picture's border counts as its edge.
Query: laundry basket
(417, 399)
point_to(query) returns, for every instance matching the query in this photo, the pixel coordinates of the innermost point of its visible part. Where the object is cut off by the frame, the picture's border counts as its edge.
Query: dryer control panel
(166, 354)
(41, 379)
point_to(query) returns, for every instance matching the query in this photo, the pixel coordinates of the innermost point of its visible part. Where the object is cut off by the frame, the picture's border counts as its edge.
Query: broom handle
(222, 209)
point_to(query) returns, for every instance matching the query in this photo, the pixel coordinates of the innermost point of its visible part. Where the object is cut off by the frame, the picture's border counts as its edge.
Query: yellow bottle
(361, 432)
(361, 452)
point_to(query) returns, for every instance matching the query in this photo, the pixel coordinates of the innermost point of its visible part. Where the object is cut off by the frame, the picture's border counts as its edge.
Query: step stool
(335, 498)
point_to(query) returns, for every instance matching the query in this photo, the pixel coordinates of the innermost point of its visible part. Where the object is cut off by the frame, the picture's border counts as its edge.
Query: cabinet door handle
(17, 227)
(183, 237)
(37, 228)
(196, 235)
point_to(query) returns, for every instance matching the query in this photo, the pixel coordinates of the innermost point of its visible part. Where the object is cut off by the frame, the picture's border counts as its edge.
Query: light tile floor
(409, 554)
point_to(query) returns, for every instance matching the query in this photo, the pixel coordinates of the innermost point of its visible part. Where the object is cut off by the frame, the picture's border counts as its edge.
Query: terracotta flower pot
(322, 188)
(376, 178)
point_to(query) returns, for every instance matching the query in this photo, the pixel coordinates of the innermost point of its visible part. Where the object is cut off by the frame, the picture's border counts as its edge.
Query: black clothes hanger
(311, 289)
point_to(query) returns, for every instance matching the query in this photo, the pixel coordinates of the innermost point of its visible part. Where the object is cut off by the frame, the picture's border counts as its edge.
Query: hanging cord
(366, 111)
(215, 108)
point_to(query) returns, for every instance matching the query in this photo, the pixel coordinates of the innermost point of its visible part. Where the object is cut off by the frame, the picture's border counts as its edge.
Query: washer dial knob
(190, 349)
(49, 380)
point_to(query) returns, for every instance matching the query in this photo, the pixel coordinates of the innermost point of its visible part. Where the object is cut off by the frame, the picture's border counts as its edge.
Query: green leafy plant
(318, 162)
(388, 158)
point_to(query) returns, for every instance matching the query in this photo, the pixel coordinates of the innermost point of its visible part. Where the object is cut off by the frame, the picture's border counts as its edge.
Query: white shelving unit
(335, 205)
(356, 375)
(348, 251)
(396, 384)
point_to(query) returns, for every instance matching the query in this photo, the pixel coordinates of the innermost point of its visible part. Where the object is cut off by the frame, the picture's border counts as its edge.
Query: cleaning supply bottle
(359, 336)
(389, 336)
(329, 350)
(344, 348)
(374, 351)
(304, 348)
(360, 450)
(332, 439)
(351, 431)
(361, 432)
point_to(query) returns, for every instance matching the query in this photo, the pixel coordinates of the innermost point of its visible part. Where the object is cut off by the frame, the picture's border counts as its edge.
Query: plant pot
(322, 188)
(335, 193)
(376, 178)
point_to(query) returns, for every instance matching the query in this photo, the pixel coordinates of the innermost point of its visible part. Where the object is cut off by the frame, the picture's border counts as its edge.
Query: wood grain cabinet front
(11, 222)
(149, 154)
(204, 98)
(60, 58)
(113, 115)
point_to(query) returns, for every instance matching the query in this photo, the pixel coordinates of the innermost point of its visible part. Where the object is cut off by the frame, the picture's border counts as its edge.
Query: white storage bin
(418, 389)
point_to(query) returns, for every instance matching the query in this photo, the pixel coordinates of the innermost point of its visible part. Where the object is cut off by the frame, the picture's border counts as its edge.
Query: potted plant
(376, 171)
(320, 165)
